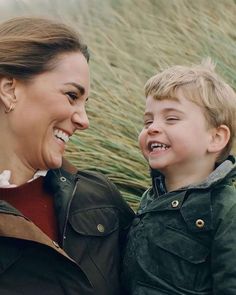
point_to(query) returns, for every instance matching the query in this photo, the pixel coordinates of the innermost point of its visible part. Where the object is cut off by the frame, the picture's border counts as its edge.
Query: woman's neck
(20, 172)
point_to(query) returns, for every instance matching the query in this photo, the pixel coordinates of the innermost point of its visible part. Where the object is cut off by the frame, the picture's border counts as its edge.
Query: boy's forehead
(154, 104)
(189, 92)
(178, 102)
(153, 98)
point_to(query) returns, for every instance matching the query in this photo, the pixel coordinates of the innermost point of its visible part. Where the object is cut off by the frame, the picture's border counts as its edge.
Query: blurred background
(129, 41)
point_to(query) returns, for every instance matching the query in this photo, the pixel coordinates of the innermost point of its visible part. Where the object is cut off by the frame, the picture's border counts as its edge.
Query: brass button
(100, 228)
(200, 223)
(62, 178)
(55, 244)
(175, 203)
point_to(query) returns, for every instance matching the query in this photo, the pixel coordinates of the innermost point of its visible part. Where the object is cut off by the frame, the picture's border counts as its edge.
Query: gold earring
(11, 108)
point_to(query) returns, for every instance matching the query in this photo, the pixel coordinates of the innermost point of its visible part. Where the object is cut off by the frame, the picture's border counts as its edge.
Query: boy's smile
(155, 146)
(175, 137)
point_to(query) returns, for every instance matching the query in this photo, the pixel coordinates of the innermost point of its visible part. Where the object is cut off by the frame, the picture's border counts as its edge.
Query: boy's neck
(185, 177)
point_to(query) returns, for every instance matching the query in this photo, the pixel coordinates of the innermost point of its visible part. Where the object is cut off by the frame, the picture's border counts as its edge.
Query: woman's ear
(7, 91)
(219, 140)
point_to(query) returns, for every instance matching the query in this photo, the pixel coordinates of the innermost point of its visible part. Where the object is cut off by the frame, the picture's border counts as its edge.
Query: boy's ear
(220, 138)
(7, 91)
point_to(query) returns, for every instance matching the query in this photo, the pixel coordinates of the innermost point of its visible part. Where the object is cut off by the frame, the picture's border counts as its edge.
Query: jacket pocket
(182, 246)
(95, 222)
(179, 259)
(93, 241)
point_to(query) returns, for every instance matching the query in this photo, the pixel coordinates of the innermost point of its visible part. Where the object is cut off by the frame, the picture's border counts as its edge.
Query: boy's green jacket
(184, 242)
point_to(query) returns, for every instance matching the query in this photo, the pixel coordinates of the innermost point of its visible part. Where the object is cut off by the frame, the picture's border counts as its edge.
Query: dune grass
(131, 40)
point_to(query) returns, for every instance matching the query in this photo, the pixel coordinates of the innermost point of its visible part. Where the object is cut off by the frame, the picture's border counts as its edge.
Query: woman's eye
(72, 95)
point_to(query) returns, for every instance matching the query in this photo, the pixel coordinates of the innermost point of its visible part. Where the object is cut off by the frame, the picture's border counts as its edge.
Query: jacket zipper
(68, 210)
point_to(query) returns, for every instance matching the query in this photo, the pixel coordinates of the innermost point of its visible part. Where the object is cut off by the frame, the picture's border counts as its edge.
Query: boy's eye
(147, 123)
(72, 95)
(172, 119)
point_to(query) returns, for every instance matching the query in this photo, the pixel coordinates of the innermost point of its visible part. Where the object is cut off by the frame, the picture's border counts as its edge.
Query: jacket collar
(148, 200)
(224, 169)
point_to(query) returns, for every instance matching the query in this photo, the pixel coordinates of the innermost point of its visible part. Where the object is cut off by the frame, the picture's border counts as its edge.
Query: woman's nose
(80, 119)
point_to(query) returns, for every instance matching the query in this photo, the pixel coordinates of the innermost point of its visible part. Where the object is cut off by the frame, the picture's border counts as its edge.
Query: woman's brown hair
(31, 45)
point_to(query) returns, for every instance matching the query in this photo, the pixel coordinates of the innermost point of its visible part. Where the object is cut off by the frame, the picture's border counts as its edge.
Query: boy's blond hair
(201, 85)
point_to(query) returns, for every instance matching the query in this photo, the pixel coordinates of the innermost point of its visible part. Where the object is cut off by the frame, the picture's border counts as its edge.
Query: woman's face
(49, 109)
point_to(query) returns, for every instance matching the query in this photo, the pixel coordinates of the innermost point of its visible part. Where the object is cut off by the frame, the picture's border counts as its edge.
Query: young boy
(183, 239)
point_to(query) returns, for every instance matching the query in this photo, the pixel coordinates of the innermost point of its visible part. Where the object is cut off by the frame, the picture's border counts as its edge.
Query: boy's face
(175, 135)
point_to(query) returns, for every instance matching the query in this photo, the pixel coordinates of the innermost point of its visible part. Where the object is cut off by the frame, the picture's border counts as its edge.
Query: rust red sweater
(35, 203)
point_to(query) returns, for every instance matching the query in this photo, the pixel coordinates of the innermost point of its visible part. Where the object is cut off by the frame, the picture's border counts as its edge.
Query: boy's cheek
(143, 149)
(141, 141)
(140, 136)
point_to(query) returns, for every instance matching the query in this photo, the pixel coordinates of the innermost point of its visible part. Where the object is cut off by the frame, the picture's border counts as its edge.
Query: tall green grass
(131, 40)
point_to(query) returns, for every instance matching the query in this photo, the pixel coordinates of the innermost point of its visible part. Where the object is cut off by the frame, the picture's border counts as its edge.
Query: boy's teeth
(159, 146)
(61, 135)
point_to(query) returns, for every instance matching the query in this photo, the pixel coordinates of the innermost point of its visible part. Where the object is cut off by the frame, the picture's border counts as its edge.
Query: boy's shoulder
(223, 177)
(223, 194)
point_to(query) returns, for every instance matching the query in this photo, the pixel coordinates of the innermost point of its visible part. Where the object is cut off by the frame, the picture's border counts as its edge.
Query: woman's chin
(55, 162)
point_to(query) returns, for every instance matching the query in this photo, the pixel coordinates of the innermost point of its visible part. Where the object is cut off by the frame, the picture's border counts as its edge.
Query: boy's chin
(154, 164)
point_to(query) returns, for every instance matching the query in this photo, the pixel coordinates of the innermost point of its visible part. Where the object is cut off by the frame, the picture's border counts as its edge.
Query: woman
(61, 231)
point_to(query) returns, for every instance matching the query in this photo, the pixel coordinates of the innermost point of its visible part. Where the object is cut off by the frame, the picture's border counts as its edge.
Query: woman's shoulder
(86, 175)
(92, 186)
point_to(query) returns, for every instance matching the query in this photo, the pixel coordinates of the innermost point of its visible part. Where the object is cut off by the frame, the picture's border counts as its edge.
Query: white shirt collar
(6, 175)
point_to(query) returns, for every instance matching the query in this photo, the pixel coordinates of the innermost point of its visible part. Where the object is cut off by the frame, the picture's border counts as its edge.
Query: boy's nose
(154, 128)
(80, 119)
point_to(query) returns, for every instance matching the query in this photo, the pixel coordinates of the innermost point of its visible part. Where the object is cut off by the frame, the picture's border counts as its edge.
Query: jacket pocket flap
(182, 246)
(95, 222)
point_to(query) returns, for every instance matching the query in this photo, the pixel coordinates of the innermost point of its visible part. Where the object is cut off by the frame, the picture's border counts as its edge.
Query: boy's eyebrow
(166, 110)
(148, 114)
(78, 86)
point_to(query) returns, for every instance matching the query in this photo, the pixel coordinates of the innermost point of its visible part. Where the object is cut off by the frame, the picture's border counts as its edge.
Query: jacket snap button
(62, 178)
(100, 228)
(55, 244)
(200, 223)
(175, 203)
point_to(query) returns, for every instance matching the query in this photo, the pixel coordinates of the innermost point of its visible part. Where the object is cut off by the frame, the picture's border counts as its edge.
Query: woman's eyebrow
(78, 86)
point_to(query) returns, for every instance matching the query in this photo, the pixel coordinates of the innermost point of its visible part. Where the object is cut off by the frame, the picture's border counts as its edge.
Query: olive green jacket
(184, 242)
